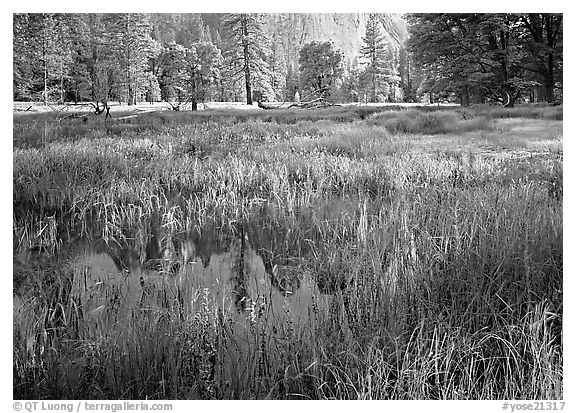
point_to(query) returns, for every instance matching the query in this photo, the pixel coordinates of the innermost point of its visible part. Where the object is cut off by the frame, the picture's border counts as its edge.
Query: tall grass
(522, 111)
(444, 269)
(429, 122)
(40, 129)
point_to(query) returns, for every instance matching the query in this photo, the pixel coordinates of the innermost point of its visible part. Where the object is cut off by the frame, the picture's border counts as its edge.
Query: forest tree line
(479, 57)
(181, 59)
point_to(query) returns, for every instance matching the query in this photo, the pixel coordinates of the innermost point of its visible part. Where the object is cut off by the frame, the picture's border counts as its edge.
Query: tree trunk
(548, 91)
(464, 98)
(479, 96)
(548, 84)
(544, 29)
(408, 83)
(61, 82)
(373, 84)
(45, 93)
(246, 61)
(551, 33)
(194, 93)
(45, 58)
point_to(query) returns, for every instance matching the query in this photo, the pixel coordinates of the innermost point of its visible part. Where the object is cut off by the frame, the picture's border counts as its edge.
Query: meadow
(427, 243)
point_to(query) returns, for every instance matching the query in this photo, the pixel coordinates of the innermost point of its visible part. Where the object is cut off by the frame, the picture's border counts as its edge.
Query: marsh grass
(445, 266)
(413, 121)
(40, 128)
(521, 111)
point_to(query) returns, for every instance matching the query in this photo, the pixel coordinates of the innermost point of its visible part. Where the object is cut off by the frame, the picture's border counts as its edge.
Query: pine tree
(128, 41)
(64, 59)
(277, 66)
(78, 85)
(373, 50)
(246, 50)
(41, 55)
(221, 81)
(22, 57)
(164, 27)
(393, 78)
(99, 61)
(190, 30)
(153, 92)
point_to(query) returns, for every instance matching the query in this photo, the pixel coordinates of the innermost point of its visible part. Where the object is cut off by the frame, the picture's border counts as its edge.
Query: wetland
(340, 253)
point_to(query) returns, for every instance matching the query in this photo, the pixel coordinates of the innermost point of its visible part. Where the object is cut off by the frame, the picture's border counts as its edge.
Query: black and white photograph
(286, 206)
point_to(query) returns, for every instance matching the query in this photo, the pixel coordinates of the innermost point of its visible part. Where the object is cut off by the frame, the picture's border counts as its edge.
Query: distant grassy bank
(448, 254)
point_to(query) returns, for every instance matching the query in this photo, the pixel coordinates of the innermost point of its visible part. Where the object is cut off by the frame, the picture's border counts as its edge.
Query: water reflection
(272, 282)
(248, 276)
(38, 131)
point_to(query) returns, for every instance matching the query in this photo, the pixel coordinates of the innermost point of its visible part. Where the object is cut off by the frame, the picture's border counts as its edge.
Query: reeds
(444, 268)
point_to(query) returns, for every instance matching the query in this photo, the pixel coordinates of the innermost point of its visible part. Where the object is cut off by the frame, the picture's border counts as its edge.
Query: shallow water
(232, 280)
(246, 278)
(36, 133)
(254, 288)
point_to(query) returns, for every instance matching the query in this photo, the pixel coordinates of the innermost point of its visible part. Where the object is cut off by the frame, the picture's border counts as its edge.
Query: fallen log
(25, 110)
(76, 116)
(311, 104)
(268, 106)
(127, 117)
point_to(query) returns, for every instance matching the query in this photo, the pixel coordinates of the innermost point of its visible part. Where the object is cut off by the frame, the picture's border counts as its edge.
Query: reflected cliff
(252, 275)
(274, 274)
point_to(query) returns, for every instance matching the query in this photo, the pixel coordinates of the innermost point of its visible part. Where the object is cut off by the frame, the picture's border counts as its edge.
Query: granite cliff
(290, 31)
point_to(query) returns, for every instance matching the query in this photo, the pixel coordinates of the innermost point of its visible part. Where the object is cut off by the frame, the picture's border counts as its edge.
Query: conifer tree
(128, 41)
(23, 61)
(374, 50)
(78, 85)
(41, 55)
(246, 50)
(191, 30)
(277, 65)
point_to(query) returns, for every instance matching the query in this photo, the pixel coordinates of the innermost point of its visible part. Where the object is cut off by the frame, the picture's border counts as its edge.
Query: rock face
(290, 31)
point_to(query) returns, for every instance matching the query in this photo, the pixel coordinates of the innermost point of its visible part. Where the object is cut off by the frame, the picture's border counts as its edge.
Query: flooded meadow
(288, 255)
